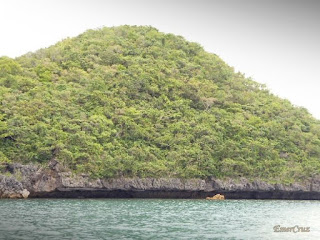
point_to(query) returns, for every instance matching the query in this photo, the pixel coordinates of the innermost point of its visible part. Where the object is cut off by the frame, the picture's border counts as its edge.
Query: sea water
(158, 219)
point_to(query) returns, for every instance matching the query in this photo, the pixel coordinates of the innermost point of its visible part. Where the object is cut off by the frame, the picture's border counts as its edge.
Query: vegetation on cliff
(132, 101)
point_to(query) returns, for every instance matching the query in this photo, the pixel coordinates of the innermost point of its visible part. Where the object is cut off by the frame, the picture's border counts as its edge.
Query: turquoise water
(156, 219)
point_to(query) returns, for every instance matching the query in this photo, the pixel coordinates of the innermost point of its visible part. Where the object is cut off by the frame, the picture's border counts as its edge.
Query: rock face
(54, 181)
(11, 188)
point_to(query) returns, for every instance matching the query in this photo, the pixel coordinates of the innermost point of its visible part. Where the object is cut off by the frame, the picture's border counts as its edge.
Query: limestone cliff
(53, 181)
(11, 188)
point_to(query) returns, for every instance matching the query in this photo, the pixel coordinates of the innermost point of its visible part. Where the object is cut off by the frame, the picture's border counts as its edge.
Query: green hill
(132, 101)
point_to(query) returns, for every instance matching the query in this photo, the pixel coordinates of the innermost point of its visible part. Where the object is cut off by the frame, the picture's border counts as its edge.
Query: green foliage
(8, 66)
(132, 101)
(3, 158)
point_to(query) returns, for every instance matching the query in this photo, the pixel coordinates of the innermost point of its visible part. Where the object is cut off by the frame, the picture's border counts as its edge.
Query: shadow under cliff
(102, 193)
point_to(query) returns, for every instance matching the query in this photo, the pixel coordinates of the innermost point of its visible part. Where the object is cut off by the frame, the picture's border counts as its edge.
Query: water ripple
(156, 219)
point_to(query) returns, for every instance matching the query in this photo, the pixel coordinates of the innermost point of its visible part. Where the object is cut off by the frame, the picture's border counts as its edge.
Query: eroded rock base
(17, 181)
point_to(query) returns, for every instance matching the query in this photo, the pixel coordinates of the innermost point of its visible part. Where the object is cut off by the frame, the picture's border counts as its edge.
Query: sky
(275, 42)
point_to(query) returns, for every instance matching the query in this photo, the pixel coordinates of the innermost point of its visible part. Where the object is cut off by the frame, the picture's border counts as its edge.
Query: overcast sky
(274, 42)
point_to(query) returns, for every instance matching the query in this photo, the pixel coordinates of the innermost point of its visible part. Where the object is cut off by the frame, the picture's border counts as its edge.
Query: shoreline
(23, 181)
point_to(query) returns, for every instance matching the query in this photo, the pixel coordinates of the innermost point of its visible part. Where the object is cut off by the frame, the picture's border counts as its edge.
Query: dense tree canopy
(132, 101)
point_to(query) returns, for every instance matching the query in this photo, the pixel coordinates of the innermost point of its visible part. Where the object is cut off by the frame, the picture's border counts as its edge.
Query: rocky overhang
(22, 181)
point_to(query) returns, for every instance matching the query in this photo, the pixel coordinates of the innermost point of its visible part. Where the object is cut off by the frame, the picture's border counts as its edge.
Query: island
(132, 112)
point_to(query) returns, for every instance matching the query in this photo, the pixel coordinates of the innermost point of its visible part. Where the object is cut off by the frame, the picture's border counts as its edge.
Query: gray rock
(315, 184)
(54, 178)
(11, 188)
